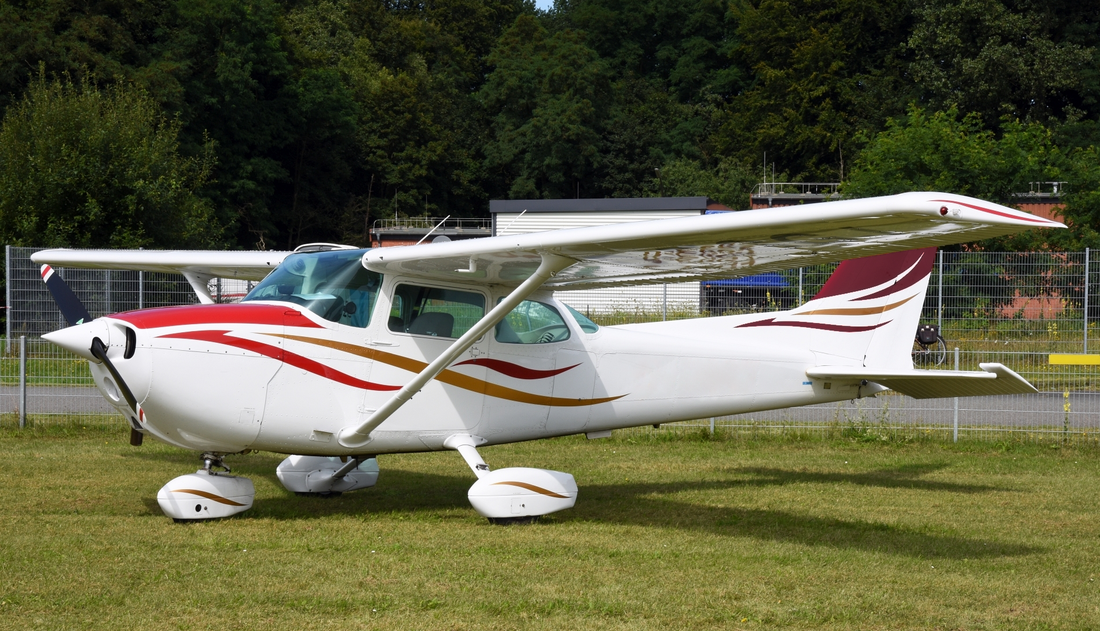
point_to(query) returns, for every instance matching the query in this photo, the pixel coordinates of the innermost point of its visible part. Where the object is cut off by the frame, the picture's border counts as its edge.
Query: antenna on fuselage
(433, 230)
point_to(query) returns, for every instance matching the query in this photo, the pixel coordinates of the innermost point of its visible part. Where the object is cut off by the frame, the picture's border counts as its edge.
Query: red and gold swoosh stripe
(448, 376)
(274, 352)
(839, 311)
(821, 326)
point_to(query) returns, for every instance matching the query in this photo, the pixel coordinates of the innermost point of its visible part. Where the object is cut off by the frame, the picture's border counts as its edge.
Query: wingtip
(961, 205)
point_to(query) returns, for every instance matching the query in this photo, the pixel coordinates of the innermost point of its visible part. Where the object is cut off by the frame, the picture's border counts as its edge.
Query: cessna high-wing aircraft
(342, 355)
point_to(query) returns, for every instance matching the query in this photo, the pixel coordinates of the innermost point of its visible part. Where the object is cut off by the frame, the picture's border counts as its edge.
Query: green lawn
(671, 530)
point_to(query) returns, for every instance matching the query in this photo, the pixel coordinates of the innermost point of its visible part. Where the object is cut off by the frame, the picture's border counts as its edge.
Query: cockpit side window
(334, 285)
(433, 311)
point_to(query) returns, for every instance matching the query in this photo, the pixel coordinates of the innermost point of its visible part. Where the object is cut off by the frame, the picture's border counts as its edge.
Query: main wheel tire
(933, 354)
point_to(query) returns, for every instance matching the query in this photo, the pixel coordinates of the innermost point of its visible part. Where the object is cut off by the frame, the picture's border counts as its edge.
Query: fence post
(141, 287)
(800, 287)
(7, 303)
(955, 432)
(939, 297)
(1085, 335)
(664, 302)
(22, 381)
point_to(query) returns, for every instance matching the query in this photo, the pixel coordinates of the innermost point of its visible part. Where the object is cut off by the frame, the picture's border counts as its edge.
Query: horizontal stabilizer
(934, 384)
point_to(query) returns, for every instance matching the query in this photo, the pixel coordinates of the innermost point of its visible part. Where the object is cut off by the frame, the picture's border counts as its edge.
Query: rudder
(865, 314)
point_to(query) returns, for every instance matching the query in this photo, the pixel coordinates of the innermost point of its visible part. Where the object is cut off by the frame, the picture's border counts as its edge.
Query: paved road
(1043, 409)
(1008, 411)
(55, 400)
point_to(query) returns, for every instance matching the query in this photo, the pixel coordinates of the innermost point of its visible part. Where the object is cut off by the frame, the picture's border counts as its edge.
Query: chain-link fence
(1006, 307)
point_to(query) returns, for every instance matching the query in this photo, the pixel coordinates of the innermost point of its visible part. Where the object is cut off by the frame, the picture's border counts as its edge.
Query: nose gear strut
(211, 460)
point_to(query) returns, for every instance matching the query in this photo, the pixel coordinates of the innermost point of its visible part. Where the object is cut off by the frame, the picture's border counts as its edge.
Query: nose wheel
(206, 493)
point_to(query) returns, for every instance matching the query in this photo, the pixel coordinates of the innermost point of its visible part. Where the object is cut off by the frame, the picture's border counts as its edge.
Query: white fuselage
(273, 376)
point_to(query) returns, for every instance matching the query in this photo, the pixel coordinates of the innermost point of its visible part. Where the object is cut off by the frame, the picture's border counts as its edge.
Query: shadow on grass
(432, 496)
(642, 504)
(903, 477)
(783, 526)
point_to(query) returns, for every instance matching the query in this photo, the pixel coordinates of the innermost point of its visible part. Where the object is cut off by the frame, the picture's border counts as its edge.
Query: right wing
(710, 247)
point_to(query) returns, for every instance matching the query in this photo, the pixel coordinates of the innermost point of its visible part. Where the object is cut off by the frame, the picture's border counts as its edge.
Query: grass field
(671, 531)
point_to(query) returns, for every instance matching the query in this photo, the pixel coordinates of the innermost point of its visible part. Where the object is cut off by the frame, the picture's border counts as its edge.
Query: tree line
(270, 123)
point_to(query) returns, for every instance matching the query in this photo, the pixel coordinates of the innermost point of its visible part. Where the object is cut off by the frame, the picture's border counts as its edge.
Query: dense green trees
(92, 167)
(286, 121)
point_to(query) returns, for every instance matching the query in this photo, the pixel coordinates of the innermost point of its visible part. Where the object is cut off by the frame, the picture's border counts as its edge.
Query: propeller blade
(99, 351)
(71, 308)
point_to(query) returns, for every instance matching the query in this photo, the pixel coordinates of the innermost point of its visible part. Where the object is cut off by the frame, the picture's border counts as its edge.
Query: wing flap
(993, 379)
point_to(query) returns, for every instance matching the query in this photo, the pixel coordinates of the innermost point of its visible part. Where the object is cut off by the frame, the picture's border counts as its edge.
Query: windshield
(334, 285)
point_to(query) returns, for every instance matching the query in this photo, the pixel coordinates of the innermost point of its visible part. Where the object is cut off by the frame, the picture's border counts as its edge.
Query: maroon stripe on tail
(821, 326)
(871, 271)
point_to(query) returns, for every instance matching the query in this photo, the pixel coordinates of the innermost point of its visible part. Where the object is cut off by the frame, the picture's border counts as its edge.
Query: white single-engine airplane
(339, 356)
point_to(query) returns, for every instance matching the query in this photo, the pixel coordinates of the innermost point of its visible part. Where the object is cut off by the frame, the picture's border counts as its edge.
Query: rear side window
(434, 312)
(586, 325)
(532, 323)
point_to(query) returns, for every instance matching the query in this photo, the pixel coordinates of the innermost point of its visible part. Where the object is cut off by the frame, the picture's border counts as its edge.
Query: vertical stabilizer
(865, 315)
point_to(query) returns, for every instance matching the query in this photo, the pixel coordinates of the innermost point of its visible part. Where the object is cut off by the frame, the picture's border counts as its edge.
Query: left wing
(197, 266)
(213, 263)
(715, 246)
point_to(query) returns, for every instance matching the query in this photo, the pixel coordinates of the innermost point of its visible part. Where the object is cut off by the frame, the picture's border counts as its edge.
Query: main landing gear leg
(516, 495)
(206, 494)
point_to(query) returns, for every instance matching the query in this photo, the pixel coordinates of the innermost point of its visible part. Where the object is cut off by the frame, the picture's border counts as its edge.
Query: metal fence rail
(1006, 307)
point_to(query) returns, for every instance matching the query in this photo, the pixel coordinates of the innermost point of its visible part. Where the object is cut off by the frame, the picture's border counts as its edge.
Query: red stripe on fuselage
(514, 370)
(216, 314)
(274, 352)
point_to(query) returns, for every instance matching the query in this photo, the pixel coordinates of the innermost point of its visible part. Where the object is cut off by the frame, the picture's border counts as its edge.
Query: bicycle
(929, 348)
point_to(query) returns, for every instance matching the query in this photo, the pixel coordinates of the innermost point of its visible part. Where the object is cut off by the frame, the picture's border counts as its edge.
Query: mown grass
(672, 530)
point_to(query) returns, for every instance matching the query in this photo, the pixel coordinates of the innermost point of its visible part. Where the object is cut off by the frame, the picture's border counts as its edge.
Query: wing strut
(198, 283)
(551, 264)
